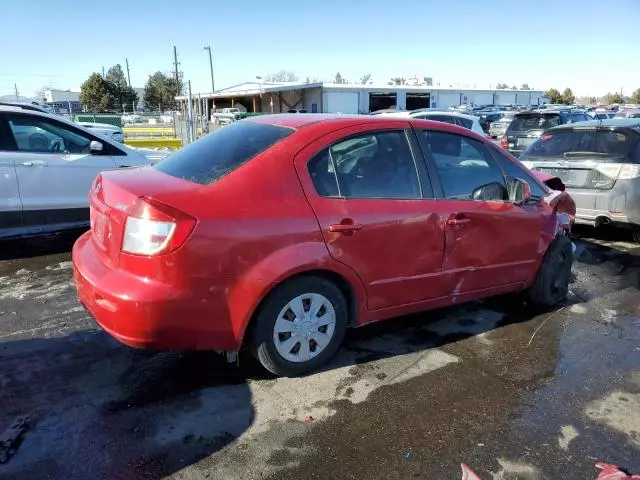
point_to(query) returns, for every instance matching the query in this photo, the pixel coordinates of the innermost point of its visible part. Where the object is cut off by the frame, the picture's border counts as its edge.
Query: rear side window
(576, 144)
(441, 118)
(221, 152)
(465, 122)
(534, 122)
(375, 165)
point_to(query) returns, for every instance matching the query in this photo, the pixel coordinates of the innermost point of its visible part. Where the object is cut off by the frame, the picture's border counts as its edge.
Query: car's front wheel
(551, 286)
(300, 326)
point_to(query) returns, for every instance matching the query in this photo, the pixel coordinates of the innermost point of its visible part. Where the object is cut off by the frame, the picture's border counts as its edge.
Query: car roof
(609, 122)
(24, 106)
(333, 120)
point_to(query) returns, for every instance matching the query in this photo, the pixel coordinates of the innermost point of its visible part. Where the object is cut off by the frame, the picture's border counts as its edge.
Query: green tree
(635, 96)
(365, 79)
(398, 81)
(339, 79)
(610, 98)
(95, 94)
(160, 92)
(568, 98)
(122, 92)
(553, 95)
(502, 86)
(525, 86)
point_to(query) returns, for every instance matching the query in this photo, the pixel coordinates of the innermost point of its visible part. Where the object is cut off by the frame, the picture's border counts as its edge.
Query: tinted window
(221, 152)
(579, 117)
(465, 122)
(375, 165)
(533, 122)
(512, 170)
(577, 142)
(464, 166)
(441, 118)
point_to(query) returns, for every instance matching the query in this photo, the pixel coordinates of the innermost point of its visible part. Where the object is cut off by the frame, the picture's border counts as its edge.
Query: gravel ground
(512, 391)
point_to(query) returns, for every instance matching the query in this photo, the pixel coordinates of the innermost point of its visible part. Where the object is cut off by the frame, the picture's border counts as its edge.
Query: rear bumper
(620, 205)
(144, 313)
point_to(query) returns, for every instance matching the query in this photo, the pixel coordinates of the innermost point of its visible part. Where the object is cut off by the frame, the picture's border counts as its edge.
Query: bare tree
(365, 79)
(281, 76)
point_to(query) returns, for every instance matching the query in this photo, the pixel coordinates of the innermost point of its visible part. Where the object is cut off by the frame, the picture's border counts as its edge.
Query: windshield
(575, 144)
(222, 151)
(534, 122)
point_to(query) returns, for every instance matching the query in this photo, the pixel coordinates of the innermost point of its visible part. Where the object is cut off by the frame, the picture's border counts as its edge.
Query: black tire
(551, 285)
(636, 234)
(262, 342)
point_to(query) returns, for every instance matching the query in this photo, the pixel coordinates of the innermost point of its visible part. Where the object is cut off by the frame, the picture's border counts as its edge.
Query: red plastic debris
(468, 474)
(611, 472)
(309, 419)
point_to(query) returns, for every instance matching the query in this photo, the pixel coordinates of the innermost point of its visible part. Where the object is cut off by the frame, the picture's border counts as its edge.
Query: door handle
(35, 163)
(345, 227)
(454, 222)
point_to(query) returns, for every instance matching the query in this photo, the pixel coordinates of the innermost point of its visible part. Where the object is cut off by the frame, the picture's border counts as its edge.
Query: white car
(47, 165)
(469, 122)
(106, 129)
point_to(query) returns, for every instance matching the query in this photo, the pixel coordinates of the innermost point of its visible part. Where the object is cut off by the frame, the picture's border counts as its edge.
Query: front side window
(465, 168)
(513, 171)
(36, 134)
(374, 165)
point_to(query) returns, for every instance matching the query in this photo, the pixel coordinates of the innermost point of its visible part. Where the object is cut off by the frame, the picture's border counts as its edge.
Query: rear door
(10, 204)
(489, 241)
(55, 168)
(375, 207)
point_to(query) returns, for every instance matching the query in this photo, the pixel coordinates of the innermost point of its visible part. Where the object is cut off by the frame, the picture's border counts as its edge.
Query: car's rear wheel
(551, 286)
(300, 326)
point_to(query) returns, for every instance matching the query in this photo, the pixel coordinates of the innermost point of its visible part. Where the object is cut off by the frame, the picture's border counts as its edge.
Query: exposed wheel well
(343, 284)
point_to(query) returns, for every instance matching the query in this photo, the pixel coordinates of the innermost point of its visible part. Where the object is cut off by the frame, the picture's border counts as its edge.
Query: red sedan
(280, 232)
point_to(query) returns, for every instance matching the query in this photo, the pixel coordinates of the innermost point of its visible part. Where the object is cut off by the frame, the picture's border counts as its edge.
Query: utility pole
(213, 86)
(128, 75)
(103, 71)
(15, 85)
(175, 69)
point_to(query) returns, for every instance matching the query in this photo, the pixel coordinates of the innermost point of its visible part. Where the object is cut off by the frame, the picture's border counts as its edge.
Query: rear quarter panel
(255, 230)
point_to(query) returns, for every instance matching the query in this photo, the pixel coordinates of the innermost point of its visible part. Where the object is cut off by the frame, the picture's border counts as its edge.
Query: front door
(490, 242)
(374, 204)
(54, 168)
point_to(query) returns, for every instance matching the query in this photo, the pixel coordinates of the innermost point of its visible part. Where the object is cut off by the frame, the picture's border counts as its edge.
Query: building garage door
(505, 98)
(342, 102)
(480, 98)
(446, 100)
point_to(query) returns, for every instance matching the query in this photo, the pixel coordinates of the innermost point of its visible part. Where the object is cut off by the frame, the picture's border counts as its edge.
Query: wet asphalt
(510, 390)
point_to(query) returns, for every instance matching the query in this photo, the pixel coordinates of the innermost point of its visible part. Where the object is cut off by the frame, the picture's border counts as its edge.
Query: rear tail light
(153, 228)
(504, 143)
(620, 171)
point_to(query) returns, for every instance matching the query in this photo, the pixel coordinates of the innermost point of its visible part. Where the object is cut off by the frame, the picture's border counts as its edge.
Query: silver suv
(599, 162)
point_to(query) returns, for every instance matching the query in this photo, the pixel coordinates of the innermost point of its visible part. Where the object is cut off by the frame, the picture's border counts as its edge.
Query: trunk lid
(112, 196)
(580, 172)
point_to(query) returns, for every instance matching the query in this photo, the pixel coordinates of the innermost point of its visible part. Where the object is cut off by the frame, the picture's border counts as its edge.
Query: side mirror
(95, 147)
(519, 191)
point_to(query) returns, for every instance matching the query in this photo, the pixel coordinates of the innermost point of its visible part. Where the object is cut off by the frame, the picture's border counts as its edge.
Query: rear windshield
(581, 143)
(534, 121)
(221, 152)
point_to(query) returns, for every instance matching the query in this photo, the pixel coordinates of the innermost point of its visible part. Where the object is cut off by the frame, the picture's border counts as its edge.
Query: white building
(277, 97)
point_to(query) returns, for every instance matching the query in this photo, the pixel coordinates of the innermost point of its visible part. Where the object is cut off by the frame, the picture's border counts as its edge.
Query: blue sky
(592, 46)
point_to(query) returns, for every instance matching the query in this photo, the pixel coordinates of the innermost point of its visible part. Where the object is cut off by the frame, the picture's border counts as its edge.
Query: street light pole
(213, 87)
